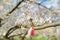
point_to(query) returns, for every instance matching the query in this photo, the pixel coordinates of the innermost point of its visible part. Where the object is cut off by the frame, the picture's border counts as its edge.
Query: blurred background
(41, 11)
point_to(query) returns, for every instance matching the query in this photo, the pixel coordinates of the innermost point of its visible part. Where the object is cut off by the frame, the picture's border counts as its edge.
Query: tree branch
(15, 7)
(12, 10)
(0, 21)
(47, 26)
(10, 31)
(44, 6)
(36, 28)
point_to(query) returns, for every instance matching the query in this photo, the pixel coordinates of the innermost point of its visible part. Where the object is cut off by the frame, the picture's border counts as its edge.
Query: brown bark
(14, 8)
(10, 31)
(47, 26)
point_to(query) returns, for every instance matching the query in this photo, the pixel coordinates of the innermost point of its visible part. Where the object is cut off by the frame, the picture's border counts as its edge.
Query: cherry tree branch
(45, 7)
(36, 28)
(15, 7)
(10, 31)
(7, 14)
(47, 26)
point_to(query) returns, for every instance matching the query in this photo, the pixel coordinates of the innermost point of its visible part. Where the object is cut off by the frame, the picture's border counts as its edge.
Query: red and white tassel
(31, 31)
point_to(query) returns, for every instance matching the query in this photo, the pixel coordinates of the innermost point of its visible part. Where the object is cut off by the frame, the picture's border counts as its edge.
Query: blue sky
(15, 2)
(48, 3)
